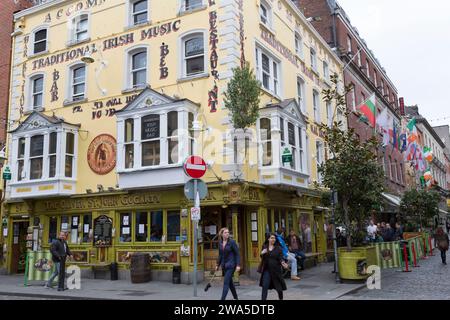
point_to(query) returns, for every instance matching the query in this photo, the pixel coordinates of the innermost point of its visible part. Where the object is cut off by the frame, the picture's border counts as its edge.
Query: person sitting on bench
(294, 245)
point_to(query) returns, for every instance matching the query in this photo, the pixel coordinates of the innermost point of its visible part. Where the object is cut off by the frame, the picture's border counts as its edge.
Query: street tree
(420, 206)
(352, 170)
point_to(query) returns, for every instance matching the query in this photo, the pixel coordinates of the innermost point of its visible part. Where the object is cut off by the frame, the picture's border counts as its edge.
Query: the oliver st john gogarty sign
(102, 202)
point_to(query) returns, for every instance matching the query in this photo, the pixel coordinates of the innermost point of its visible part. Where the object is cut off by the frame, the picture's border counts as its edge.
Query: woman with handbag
(442, 242)
(229, 260)
(270, 268)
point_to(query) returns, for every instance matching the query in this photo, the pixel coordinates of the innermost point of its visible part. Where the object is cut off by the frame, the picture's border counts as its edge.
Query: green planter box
(352, 264)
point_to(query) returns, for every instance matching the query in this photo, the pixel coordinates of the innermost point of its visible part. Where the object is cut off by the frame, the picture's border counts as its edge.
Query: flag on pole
(428, 154)
(368, 110)
(384, 124)
(413, 136)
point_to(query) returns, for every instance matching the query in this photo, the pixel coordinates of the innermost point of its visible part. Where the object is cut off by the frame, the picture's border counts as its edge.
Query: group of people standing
(384, 232)
(277, 253)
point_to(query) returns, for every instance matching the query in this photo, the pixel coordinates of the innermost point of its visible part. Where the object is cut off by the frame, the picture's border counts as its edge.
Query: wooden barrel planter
(140, 267)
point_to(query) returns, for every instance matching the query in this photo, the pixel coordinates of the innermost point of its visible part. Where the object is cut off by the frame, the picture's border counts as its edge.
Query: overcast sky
(411, 39)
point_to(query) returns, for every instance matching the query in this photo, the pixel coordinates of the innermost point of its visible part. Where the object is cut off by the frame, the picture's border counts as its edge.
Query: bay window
(70, 152)
(36, 157)
(172, 136)
(129, 145)
(292, 144)
(20, 159)
(266, 141)
(52, 154)
(150, 137)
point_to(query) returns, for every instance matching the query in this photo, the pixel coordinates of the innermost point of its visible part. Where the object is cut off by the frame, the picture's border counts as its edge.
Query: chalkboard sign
(150, 127)
(102, 231)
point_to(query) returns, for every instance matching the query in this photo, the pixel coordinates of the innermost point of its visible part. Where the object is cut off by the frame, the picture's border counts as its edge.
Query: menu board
(150, 127)
(102, 231)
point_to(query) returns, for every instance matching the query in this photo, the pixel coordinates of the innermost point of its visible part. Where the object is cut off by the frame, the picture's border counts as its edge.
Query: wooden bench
(314, 256)
(98, 266)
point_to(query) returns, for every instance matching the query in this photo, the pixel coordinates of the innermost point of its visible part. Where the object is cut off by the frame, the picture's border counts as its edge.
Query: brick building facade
(7, 8)
(367, 76)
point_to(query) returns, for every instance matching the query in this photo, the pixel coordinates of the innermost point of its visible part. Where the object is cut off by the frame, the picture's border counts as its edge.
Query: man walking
(60, 250)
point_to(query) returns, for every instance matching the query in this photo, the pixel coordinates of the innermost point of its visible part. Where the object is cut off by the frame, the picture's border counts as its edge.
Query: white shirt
(371, 230)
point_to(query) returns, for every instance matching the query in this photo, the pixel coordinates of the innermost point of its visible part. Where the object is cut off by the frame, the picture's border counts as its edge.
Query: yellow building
(110, 97)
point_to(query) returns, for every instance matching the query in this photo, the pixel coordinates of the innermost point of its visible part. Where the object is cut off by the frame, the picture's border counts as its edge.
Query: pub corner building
(108, 99)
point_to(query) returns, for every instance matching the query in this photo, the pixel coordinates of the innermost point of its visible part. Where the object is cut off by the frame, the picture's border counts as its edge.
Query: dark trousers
(443, 256)
(62, 273)
(266, 284)
(228, 284)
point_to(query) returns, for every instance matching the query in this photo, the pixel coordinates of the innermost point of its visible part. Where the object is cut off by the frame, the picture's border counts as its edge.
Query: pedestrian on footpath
(229, 260)
(272, 261)
(60, 250)
(294, 245)
(442, 242)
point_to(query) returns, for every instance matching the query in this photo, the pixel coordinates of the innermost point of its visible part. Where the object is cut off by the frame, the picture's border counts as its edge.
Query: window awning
(392, 199)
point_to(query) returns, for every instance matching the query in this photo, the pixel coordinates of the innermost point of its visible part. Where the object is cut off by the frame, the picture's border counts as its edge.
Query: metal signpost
(195, 167)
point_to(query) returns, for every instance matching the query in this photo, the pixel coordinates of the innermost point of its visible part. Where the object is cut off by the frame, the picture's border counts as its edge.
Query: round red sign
(195, 167)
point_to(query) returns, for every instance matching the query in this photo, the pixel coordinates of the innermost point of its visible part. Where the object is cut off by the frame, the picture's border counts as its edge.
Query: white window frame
(330, 113)
(359, 56)
(30, 88)
(60, 155)
(33, 41)
(182, 48)
(349, 44)
(326, 71)
(131, 13)
(316, 106)
(263, 142)
(313, 58)
(73, 23)
(298, 44)
(70, 81)
(264, 4)
(274, 79)
(319, 158)
(183, 6)
(128, 64)
(301, 94)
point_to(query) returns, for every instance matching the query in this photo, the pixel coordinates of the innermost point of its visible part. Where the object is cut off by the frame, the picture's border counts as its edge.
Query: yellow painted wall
(107, 20)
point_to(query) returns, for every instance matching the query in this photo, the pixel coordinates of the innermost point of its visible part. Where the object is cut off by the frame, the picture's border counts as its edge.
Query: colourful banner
(39, 266)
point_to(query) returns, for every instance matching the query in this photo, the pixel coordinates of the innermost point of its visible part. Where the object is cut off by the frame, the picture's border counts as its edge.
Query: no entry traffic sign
(195, 167)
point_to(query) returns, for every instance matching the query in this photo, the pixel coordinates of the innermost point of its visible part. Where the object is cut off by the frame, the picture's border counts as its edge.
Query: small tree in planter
(352, 170)
(419, 206)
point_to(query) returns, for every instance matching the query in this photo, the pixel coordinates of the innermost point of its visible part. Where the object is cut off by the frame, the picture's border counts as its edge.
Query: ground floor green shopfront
(108, 227)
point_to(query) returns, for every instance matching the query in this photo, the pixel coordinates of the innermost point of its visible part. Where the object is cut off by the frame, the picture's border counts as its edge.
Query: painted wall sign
(164, 70)
(63, 57)
(270, 39)
(241, 31)
(213, 96)
(100, 202)
(118, 41)
(101, 154)
(54, 89)
(73, 9)
(160, 30)
(25, 46)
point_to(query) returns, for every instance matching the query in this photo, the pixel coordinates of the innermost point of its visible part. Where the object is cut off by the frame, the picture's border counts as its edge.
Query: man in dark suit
(60, 250)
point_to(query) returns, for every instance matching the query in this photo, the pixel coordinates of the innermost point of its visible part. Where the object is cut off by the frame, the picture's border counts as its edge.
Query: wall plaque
(101, 154)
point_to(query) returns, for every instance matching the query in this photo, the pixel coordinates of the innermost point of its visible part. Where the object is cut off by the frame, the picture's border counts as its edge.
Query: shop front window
(125, 227)
(173, 225)
(156, 220)
(87, 228)
(141, 227)
(36, 157)
(305, 232)
(53, 229)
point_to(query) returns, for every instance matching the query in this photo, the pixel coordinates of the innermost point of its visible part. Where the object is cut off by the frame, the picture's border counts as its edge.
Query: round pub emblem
(101, 154)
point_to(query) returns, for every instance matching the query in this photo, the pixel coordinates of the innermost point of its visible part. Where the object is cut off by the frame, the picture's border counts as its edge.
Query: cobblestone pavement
(431, 281)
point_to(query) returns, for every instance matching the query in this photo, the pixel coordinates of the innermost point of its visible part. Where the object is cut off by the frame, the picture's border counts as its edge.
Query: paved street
(431, 281)
(316, 284)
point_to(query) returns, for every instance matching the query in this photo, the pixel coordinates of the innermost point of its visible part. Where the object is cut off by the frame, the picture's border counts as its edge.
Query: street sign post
(201, 188)
(195, 167)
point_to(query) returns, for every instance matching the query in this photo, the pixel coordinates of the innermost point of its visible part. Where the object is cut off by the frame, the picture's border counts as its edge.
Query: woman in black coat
(272, 262)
